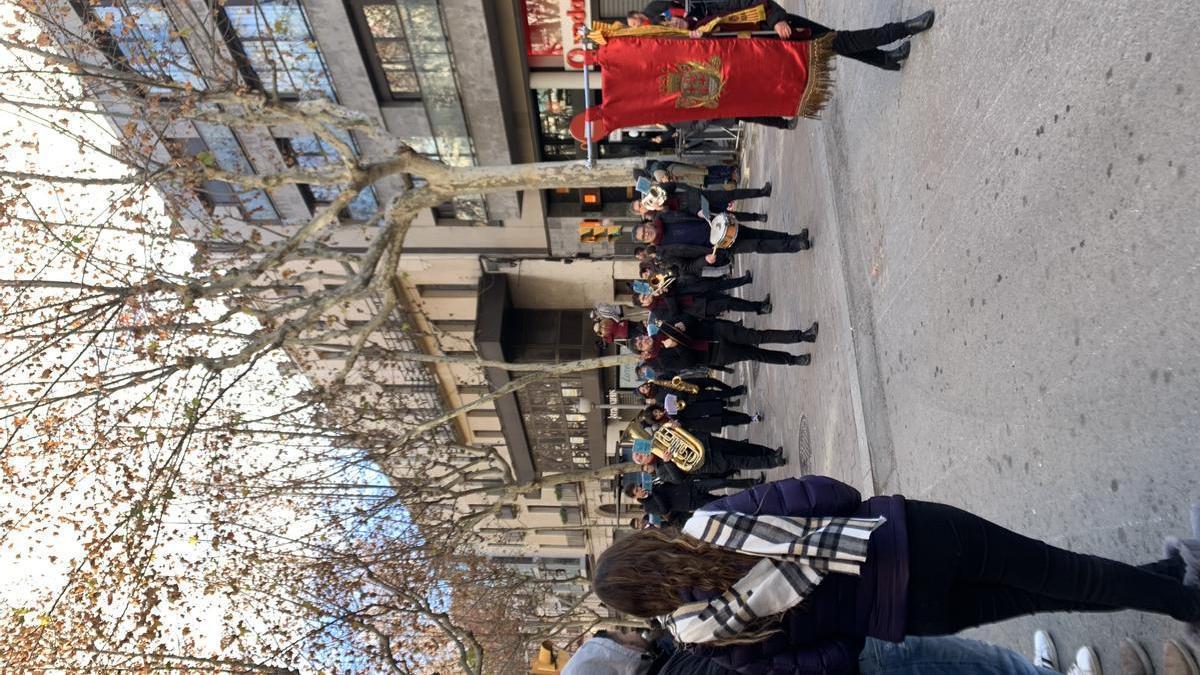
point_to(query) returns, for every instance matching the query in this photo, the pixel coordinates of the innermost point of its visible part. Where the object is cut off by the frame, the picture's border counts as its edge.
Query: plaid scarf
(796, 555)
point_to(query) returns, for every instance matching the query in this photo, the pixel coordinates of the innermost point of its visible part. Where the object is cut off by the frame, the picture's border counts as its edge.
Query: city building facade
(505, 276)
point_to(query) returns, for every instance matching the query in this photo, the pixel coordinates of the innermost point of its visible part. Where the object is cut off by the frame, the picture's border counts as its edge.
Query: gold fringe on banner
(602, 31)
(820, 77)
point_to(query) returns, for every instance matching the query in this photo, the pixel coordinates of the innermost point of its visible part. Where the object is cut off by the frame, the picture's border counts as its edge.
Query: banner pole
(587, 100)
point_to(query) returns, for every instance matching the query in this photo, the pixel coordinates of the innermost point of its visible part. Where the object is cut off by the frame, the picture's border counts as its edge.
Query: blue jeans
(943, 656)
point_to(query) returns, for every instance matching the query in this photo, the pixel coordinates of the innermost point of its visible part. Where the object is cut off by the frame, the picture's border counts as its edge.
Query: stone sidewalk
(1005, 275)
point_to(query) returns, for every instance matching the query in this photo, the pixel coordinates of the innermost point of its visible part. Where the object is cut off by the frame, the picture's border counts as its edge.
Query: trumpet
(678, 384)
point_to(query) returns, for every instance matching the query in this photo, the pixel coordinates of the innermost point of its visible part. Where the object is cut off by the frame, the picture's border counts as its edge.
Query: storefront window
(555, 111)
(543, 27)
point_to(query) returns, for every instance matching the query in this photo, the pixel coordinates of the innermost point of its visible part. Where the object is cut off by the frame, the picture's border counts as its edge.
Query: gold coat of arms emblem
(697, 84)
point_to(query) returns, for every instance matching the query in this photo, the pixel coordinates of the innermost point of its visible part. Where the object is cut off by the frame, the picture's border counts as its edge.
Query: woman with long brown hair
(793, 576)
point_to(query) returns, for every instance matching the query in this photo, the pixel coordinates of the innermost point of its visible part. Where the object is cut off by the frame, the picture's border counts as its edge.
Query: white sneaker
(1086, 663)
(1045, 654)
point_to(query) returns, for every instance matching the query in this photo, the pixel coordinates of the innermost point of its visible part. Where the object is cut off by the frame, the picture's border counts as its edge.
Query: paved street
(1007, 277)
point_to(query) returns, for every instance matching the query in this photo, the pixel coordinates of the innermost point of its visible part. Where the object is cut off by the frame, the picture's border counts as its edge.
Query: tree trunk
(539, 176)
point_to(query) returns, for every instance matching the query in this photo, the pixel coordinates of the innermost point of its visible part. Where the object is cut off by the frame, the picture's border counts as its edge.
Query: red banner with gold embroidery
(660, 80)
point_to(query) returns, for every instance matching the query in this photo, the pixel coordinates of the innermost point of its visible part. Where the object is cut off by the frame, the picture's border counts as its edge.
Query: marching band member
(688, 237)
(689, 389)
(721, 456)
(667, 355)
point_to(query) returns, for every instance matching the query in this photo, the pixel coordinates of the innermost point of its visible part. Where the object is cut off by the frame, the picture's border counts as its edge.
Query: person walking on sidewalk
(685, 200)
(685, 236)
(797, 573)
(710, 388)
(722, 457)
(666, 355)
(723, 330)
(708, 305)
(708, 416)
(860, 45)
(674, 502)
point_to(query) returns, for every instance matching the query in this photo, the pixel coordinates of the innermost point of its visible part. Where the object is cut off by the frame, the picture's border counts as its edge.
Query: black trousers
(747, 217)
(714, 424)
(860, 45)
(729, 353)
(732, 331)
(965, 571)
(710, 484)
(718, 199)
(709, 285)
(753, 240)
(724, 454)
(716, 304)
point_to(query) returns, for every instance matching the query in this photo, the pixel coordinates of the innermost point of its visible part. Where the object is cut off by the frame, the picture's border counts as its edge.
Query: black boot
(765, 306)
(766, 190)
(919, 23)
(801, 360)
(778, 458)
(894, 59)
(809, 335)
(800, 242)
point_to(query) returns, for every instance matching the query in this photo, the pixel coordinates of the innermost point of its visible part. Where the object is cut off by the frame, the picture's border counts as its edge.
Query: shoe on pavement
(810, 335)
(765, 306)
(756, 417)
(801, 360)
(1045, 654)
(766, 189)
(1134, 659)
(1178, 660)
(1086, 663)
(899, 53)
(762, 478)
(920, 23)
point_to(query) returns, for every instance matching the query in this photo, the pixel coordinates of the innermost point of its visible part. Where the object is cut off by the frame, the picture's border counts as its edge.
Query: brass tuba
(687, 452)
(678, 384)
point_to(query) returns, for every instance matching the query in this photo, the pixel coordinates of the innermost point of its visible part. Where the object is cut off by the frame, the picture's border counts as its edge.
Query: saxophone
(678, 384)
(687, 452)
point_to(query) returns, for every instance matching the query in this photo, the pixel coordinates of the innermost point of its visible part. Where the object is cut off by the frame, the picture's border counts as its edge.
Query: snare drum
(724, 230)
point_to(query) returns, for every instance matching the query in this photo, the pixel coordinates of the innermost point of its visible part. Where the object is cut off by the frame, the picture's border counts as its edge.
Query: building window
(447, 290)
(389, 55)
(147, 41)
(311, 152)
(463, 210)
(498, 535)
(572, 515)
(555, 110)
(274, 38)
(506, 512)
(218, 147)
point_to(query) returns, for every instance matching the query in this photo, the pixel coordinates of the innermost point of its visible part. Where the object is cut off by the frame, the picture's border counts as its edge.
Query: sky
(33, 564)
